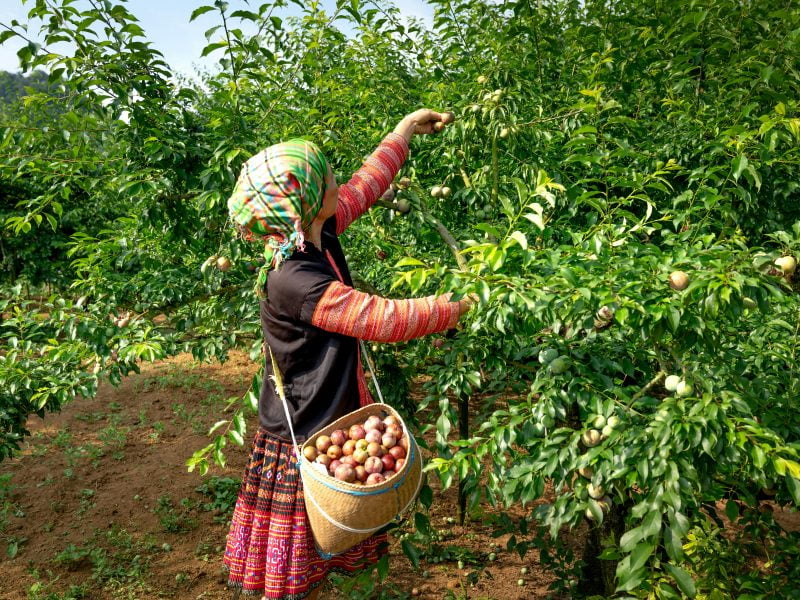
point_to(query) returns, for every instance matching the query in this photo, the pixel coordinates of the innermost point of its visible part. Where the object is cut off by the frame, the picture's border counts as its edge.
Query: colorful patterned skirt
(270, 551)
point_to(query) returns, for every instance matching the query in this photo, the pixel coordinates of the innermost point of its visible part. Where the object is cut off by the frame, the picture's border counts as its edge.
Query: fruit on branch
(439, 126)
(482, 79)
(603, 318)
(684, 389)
(558, 366)
(548, 355)
(586, 472)
(596, 491)
(403, 206)
(388, 195)
(404, 183)
(671, 382)
(787, 264)
(613, 421)
(504, 133)
(678, 280)
(448, 117)
(591, 438)
(436, 191)
(446, 191)
(223, 263)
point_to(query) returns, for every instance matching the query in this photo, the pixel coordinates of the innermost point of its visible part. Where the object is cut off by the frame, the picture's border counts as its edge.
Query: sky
(166, 24)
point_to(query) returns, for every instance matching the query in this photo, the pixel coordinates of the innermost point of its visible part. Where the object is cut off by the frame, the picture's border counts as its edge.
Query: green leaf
(683, 579)
(739, 164)
(200, 11)
(630, 539)
(411, 552)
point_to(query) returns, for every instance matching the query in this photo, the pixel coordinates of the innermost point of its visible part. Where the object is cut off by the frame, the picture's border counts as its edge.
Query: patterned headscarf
(277, 197)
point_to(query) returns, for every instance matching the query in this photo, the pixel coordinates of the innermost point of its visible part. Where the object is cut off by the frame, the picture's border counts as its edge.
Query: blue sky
(166, 23)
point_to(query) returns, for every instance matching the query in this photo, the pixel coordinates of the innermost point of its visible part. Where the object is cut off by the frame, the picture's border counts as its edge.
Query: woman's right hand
(420, 121)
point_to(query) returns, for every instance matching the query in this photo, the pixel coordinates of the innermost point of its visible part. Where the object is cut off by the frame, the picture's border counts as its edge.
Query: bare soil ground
(100, 504)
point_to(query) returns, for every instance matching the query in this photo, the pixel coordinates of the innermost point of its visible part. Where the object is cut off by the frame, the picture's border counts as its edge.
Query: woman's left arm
(376, 174)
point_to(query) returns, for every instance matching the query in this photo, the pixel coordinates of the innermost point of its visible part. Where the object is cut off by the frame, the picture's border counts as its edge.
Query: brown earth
(107, 476)
(101, 498)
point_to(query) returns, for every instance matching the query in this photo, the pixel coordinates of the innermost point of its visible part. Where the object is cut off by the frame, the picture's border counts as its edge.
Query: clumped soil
(108, 475)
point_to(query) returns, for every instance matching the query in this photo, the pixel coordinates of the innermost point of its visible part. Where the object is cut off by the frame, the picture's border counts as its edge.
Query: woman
(312, 319)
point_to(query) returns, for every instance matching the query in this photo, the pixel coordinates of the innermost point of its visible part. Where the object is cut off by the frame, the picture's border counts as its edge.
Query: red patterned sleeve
(344, 310)
(371, 180)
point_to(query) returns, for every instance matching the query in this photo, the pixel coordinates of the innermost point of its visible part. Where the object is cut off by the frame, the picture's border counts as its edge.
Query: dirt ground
(100, 504)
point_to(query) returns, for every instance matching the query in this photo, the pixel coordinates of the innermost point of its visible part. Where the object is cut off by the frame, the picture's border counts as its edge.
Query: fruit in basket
(375, 478)
(374, 435)
(375, 449)
(360, 456)
(373, 465)
(334, 451)
(349, 460)
(361, 444)
(388, 474)
(361, 473)
(345, 473)
(397, 452)
(374, 422)
(310, 453)
(391, 420)
(395, 430)
(398, 464)
(388, 440)
(324, 460)
(323, 443)
(348, 447)
(338, 438)
(333, 466)
(388, 462)
(357, 432)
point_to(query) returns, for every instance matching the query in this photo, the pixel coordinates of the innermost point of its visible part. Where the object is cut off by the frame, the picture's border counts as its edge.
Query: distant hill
(12, 85)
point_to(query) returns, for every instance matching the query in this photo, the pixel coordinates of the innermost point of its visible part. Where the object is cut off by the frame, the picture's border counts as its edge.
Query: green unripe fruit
(482, 79)
(684, 389)
(607, 431)
(403, 206)
(492, 556)
(521, 582)
(558, 366)
(504, 132)
(749, 302)
(613, 421)
(523, 571)
(548, 355)
(596, 491)
(599, 421)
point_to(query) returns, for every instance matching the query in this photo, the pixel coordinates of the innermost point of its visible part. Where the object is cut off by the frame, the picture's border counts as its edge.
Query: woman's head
(279, 194)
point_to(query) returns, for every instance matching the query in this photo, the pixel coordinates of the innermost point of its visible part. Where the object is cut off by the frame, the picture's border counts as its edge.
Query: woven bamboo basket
(342, 514)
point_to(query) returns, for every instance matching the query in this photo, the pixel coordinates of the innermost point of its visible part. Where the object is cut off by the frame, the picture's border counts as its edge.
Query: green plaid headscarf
(277, 197)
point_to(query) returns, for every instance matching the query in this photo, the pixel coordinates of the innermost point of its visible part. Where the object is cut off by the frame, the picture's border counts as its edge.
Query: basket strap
(371, 370)
(278, 379)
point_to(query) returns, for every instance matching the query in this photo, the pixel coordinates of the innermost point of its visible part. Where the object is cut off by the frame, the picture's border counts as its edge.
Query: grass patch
(221, 493)
(175, 519)
(119, 561)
